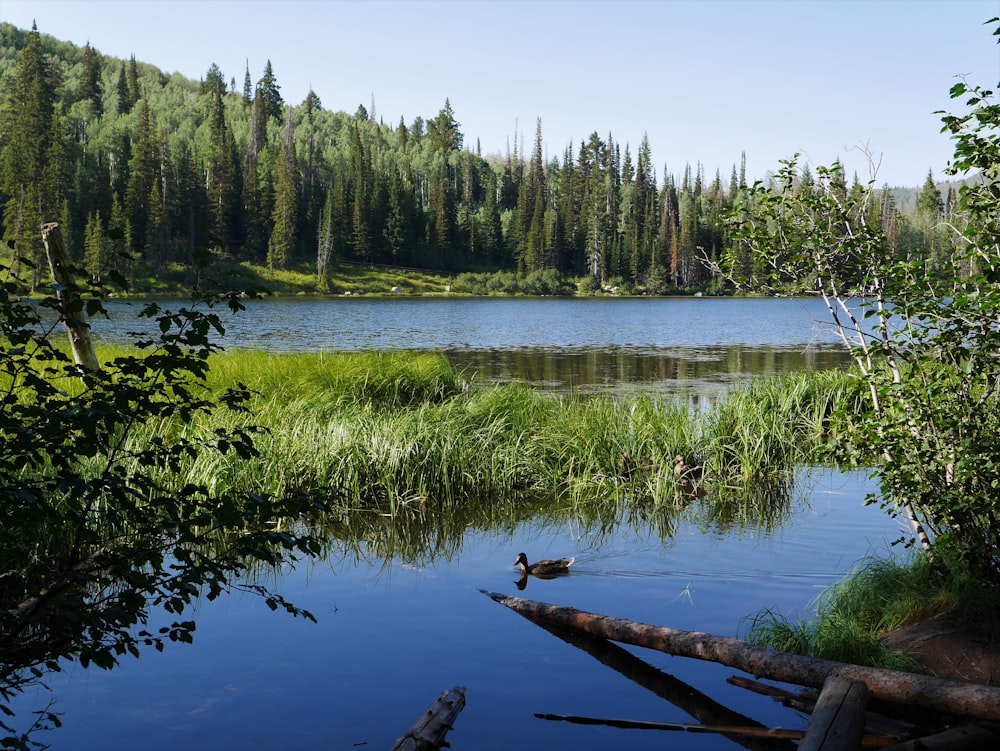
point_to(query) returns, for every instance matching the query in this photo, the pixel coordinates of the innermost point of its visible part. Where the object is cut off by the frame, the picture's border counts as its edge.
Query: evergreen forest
(145, 170)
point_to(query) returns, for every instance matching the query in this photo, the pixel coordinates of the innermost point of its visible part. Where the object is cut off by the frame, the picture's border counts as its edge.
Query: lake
(395, 632)
(670, 345)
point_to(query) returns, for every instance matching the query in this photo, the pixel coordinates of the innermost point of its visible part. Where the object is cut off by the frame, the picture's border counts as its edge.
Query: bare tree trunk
(72, 314)
(956, 697)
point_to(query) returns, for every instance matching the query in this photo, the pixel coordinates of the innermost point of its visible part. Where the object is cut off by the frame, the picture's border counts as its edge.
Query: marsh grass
(880, 596)
(393, 431)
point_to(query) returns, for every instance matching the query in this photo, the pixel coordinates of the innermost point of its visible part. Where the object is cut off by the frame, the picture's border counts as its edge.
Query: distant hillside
(181, 165)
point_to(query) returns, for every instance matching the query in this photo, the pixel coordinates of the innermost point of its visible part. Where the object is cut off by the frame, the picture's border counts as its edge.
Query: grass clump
(398, 429)
(881, 596)
(773, 424)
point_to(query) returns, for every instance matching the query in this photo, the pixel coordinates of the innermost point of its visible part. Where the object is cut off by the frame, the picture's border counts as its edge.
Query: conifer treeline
(99, 143)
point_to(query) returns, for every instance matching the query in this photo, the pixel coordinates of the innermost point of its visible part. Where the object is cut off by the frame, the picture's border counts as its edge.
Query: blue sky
(705, 81)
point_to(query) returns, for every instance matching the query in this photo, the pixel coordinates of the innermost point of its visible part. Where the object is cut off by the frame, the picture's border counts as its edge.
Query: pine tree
(286, 197)
(142, 177)
(189, 202)
(443, 131)
(395, 232)
(324, 243)
(90, 79)
(95, 258)
(361, 185)
(929, 202)
(247, 87)
(26, 122)
(929, 212)
(128, 86)
(313, 196)
(269, 93)
(224, 186)
(531, 209)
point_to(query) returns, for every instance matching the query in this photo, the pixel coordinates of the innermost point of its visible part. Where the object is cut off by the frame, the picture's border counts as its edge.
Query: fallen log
(703, 708)
(979, 735)
(838, 721)
(875, 723)
(428, 732)
(956, 697)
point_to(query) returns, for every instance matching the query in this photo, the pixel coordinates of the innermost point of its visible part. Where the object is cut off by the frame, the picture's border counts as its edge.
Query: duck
(686, 472)
(546, 568)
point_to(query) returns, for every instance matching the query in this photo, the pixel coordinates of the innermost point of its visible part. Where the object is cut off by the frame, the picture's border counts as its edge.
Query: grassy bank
(880, 596)
(177, 280)
(357, 279)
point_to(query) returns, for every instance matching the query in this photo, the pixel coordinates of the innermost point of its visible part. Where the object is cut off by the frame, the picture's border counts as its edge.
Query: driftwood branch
(727, 730)
(72, 315)
(956, 697)
(427, 733)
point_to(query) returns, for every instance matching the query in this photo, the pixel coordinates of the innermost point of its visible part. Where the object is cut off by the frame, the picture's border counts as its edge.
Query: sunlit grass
(395, 430)
(878, 597)
(392, 430)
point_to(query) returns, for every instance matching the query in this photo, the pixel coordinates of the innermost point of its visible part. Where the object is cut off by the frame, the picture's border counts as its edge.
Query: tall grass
(880, 596)
(398, 430)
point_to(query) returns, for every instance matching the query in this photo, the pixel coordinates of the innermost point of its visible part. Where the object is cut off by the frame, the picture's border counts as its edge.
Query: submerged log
(956, 697)
(726, 730)
(428, 732)
(69, 309)
(683, 696)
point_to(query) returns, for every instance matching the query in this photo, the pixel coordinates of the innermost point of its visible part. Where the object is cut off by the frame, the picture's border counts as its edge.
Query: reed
(404, 430)
(332, 381)
(880, 596)
(773, 424)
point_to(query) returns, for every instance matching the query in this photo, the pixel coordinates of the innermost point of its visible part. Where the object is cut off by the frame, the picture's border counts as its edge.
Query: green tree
(443, 131)
(269, 94)
(90, 79)
(143, 176)
(95, 257)
(247, 87)
(26, 122)
(925, 345)
(128, 86)
(286, 202)
(224, 175)
(98, 529)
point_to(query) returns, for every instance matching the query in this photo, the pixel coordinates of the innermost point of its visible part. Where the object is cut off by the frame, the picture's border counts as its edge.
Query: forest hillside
(145, 170)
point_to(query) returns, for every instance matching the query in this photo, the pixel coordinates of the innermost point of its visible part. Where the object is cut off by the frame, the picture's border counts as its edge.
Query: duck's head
(522, 560)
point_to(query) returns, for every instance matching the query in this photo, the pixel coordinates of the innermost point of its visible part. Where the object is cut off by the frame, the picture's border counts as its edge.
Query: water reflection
(679, 371)
(418, 534)
(683, 346)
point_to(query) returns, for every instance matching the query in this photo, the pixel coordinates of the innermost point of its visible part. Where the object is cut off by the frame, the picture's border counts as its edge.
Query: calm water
(686, 345)
(393, 634)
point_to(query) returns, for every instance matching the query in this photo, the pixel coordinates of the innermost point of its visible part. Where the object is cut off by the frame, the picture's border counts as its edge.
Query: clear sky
(705, 81)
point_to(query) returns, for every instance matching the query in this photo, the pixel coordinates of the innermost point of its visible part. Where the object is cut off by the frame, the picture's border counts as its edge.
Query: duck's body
(686, 472)
(543, 568)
